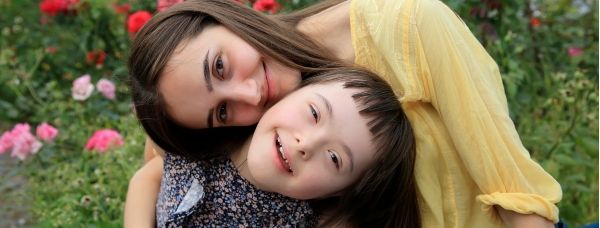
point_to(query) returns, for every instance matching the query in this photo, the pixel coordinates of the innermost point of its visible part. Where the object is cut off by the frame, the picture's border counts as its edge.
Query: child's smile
(281, 159)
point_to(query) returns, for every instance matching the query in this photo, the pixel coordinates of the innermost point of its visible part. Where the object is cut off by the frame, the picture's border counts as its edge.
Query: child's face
(218, 79)
(311, 144)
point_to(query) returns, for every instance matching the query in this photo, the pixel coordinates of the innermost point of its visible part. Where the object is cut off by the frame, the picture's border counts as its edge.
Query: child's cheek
(316, 184)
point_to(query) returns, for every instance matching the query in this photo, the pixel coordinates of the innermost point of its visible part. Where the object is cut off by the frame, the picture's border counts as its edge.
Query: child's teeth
(280, 149)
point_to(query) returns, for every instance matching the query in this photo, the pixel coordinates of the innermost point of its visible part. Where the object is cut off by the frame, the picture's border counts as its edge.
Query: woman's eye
(334, 159)
(219, 67)
(222, 113)
(314, 113)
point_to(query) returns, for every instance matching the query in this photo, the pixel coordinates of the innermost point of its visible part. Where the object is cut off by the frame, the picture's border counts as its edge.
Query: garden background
(75, 170)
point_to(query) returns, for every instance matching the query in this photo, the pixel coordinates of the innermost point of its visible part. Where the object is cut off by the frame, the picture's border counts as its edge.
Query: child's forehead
(324, 86)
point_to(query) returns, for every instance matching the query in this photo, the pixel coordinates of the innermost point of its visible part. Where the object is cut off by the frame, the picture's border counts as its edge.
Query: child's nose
(305, 147)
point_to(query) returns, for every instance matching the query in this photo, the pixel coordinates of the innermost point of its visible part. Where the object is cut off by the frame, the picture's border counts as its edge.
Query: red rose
(535, 22)
(100, 57)
(137, 20)
(91, 56)
(53, 7)
(266, 5)
(96, 57)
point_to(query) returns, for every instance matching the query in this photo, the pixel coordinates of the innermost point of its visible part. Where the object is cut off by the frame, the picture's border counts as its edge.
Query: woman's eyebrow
(345, 147)
(209, 119)
(207, 73)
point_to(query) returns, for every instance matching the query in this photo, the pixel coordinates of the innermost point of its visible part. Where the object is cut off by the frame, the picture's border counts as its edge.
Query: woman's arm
(142, 194)
(516, 220)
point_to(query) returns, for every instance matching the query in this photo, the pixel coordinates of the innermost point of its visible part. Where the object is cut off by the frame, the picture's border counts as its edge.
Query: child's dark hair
(385, 196)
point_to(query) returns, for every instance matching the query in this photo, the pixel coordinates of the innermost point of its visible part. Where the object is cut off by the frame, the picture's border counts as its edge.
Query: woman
(469, 155)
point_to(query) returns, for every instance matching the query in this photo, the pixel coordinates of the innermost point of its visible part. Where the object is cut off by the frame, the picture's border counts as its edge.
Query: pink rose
(575, 51)
(5, 142)
(21, 128)
(103, 140)
(82, 87)
(23, 142)
(162, 5)
(107, 88)
(46, 132)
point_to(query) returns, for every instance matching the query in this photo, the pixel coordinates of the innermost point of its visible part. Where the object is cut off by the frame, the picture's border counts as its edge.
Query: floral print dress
(213, 194)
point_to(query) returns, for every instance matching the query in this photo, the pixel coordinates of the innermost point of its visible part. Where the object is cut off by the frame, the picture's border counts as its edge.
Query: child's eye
(314, 113)
(334, 159)
(219, 68)
(222, 113)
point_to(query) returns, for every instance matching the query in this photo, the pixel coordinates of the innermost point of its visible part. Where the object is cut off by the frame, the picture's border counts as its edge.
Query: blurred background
(70, 142)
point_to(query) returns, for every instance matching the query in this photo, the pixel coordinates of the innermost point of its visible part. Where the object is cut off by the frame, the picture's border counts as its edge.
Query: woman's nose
(246, 91)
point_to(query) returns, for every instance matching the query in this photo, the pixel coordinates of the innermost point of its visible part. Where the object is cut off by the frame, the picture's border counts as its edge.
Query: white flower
(82, 87)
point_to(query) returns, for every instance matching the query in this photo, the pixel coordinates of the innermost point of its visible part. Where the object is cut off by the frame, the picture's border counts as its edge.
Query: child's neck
(240, 161)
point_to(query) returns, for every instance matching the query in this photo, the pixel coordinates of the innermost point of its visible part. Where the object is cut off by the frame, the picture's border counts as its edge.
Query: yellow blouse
(469, 155)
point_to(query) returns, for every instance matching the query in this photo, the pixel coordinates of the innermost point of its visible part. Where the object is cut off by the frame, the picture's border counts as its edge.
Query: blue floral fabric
(213, 194)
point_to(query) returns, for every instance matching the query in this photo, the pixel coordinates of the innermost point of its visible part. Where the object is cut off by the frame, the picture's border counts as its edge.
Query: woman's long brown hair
(156, 41)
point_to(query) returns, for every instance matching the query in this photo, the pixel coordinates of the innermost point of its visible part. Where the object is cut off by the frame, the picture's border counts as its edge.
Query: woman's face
(311, 144)
(217, 79)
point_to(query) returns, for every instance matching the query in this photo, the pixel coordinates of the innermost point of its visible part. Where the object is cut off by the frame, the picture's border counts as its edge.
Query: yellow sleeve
(431, 56)
(466, 89)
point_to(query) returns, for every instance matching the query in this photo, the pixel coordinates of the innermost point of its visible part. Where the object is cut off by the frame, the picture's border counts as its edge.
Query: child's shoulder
(212, 192)
(175, 164)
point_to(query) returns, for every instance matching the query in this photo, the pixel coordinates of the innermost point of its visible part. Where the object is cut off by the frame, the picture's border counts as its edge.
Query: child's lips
(282, 154)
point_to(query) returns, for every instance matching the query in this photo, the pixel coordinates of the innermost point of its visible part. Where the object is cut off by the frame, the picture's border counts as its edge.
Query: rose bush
(63, 63)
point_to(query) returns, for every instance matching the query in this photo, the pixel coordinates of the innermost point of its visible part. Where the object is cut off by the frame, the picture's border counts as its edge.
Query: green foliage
(79, 187)
(66, 185)
(553, 98)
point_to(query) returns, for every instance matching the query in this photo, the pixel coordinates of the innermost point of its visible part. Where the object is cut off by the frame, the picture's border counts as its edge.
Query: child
(341, 137)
